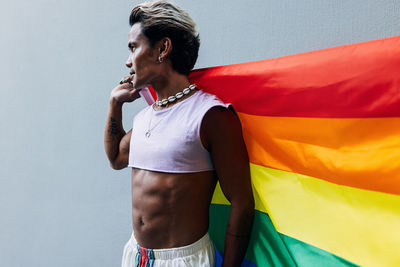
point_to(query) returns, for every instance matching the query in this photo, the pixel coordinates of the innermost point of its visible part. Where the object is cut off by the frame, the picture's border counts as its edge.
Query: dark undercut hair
(161, 19)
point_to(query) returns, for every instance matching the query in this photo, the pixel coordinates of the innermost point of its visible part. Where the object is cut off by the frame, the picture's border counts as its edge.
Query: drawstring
(150, 256)
(138, 256)
(144, 257)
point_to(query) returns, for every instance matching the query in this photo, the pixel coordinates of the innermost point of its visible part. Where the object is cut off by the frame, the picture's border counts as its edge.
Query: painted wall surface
(60, 202)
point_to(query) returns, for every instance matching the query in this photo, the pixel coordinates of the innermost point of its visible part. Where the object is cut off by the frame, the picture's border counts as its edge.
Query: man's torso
(170, 210)
(172, 188)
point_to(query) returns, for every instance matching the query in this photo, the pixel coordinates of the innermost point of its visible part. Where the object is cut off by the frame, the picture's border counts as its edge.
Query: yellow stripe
(359, 225)
(362, 153)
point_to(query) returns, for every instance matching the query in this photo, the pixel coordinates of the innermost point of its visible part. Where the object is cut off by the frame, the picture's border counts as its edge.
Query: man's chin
(138, 85)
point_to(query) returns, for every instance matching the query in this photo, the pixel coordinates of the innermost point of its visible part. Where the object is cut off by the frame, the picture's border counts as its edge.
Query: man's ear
(165, 47)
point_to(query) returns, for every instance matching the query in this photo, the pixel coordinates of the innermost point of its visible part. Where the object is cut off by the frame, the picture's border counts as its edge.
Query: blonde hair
(161, 19)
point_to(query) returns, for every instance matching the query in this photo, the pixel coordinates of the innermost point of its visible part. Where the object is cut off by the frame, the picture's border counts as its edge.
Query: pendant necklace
(148, 132)
(149, 128)
(166, 101)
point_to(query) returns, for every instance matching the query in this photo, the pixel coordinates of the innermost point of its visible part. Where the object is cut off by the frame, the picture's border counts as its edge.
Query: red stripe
(357, 80)
(143, 259)
(153, 93)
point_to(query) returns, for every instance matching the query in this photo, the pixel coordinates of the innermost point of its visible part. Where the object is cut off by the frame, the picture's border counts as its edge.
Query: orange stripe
(362, 153)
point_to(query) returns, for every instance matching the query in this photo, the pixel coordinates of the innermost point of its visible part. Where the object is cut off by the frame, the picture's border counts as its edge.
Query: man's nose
(128, 62)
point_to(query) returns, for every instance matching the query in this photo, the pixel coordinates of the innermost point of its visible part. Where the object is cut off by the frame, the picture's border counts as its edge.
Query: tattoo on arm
(114, 129)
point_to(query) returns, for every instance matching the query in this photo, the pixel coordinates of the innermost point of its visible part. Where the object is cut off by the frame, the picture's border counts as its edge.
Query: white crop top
(173, 144)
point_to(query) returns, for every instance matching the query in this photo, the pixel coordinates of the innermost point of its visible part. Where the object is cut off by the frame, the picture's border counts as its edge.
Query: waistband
(178, 252)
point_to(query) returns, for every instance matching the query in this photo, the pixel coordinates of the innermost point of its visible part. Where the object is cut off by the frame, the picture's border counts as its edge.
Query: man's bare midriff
(170, 209)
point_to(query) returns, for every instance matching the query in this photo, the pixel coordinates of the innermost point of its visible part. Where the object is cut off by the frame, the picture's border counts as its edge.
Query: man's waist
(176, 252)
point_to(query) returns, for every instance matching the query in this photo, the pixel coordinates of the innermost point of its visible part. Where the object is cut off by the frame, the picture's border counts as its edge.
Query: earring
(160, 59)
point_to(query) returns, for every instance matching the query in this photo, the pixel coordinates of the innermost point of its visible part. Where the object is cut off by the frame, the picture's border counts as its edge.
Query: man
(178, 148)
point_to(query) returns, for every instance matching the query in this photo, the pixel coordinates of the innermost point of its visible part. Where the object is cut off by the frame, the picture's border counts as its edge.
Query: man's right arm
(116, 141)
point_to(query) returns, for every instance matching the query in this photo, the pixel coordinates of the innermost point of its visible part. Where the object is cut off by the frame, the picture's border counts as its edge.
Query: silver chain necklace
(175, 97)
(164, 102)
(148, 132)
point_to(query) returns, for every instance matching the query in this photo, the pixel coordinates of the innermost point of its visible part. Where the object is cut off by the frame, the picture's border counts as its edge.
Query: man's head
(162, 19)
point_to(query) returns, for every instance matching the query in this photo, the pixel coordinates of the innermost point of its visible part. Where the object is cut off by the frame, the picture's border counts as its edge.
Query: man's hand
(116, 141)
(125, 91)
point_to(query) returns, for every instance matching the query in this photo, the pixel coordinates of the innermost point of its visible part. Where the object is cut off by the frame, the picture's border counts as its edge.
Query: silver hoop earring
(160, 59)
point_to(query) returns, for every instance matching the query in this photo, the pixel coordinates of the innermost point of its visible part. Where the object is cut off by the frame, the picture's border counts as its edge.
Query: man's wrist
(115, 103)
(237, 235)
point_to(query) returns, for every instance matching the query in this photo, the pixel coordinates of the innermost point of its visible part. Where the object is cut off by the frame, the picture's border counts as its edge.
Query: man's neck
(173, 83)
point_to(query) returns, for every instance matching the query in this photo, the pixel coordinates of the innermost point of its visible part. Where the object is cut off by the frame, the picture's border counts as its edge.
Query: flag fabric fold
(323, 134)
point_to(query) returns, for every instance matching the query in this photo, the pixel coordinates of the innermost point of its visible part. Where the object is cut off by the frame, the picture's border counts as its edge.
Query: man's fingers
(126, 85)
(126, 79)
(134, 93)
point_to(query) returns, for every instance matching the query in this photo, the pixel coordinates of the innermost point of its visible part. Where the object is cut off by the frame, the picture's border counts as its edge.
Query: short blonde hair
(161, 19)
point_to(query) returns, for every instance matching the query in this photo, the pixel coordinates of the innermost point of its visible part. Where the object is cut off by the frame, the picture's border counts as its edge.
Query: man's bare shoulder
(218, 123)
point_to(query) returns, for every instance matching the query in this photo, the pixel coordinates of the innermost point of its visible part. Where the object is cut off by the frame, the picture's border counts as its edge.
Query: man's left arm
(221, 133)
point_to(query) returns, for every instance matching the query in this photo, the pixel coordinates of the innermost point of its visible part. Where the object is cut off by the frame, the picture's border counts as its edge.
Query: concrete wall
(60, 202)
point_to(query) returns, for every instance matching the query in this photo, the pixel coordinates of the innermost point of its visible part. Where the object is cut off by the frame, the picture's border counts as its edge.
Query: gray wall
(60, 202)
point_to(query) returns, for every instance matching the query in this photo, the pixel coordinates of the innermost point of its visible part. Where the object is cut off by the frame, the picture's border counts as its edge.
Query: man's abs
(170, 209)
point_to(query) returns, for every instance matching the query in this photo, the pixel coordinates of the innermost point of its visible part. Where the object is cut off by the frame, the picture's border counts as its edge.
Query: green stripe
(268, 247)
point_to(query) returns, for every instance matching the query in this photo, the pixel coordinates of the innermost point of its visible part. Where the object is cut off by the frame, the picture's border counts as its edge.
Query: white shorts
(200, 254)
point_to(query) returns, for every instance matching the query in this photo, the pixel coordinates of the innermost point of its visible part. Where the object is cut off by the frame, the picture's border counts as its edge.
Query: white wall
(60, 203)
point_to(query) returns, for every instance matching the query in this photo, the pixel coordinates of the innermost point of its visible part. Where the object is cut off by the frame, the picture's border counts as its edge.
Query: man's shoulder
(207, 95)
(208, 101)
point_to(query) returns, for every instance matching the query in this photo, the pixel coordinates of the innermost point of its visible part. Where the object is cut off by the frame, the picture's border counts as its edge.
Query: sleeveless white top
(174, 144)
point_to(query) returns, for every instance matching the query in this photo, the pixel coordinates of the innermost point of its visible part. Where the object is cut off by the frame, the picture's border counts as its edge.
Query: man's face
(142, 59)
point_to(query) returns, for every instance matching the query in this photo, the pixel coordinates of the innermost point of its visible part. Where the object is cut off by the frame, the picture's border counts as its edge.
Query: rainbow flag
(323, 134)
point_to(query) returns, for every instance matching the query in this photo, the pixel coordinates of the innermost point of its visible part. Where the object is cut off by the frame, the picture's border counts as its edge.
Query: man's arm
(222, 135)
(116, 141)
